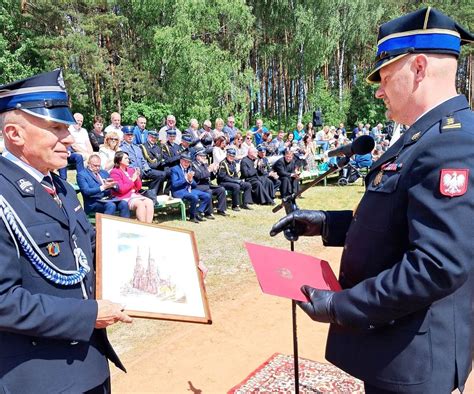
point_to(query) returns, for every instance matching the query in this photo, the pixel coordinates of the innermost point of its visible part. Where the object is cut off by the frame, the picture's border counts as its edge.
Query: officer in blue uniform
(403, 322)
(52, 331)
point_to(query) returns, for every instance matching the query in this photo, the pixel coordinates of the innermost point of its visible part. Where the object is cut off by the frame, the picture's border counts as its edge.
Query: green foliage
(364, 106)
(155, 113)
(327, 100)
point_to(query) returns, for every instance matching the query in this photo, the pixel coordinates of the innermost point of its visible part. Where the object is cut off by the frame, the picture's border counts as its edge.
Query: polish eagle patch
(453, 182)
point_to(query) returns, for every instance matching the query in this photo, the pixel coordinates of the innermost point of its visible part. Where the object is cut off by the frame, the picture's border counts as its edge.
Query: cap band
(431, 41)
(32, 100)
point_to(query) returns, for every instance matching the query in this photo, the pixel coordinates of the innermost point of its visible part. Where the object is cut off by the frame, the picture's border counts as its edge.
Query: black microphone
(361, 146)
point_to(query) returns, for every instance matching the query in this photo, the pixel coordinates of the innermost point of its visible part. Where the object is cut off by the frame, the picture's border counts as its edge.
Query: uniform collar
(24, 166)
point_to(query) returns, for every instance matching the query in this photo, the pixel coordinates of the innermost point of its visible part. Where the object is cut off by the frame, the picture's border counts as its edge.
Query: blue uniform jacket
(90, 187)
(47, 338)
(407, 266)
(178, 181)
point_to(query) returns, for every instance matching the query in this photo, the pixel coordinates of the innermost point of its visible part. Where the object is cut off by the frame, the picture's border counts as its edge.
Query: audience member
(289, 141)
(230, 130)
(257, 131)
(96, 136)
(135, 156)
(376, 133)
(184, 186)
(128, 187)
(358, 131)
(218, 151)
(309, 153)
(80, 150)
(323, 138)
(108, 149)
(193, 130)
(248, 143)
(115, 124)
(240, 151)
(228, 177)
(279, 143)
(264, 169)
(299, 133)
(170, 125)
(288, 173)
(171, 150)
(219, 129)
(262, 188)
(154, 155)
(309, 130)
(205, 135)
(95, 186)
(140, 133)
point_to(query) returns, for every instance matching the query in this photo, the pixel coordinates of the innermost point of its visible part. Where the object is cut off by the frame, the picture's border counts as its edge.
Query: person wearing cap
(152, 152)
(403, 321)
(288, 173)
(262, 188)
(184, 186)
(156, 178)
(203, 174)
(140, 133)
(228, 177)
(171, 150)
(187, 143)
(264, 169)
(52, 330)
(169, 126)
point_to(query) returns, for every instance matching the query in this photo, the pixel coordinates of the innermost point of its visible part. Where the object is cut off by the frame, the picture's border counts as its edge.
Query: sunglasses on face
(113, 139)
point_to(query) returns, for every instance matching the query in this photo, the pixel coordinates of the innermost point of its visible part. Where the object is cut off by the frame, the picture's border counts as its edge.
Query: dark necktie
(48, 185)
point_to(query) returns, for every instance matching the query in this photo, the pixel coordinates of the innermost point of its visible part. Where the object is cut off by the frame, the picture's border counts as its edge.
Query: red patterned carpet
(276, 375)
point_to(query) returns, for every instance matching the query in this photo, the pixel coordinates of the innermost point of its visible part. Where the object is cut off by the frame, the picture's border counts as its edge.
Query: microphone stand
(289, 203)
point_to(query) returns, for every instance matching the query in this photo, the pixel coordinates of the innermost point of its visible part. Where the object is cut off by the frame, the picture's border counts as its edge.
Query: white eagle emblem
(453, 182)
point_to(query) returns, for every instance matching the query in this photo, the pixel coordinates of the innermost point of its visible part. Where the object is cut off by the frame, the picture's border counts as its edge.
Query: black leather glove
(300, 222)
(319, 307)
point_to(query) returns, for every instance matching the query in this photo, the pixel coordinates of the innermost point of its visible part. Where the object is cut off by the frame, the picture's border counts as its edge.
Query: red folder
(282, 272)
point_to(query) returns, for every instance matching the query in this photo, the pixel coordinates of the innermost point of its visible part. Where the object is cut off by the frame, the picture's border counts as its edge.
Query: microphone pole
(289, 203)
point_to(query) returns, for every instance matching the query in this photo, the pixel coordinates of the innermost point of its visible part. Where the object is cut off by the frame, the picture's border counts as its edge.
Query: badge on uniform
(53, 249)
(378, 178)
(26, 186)
(453, 182)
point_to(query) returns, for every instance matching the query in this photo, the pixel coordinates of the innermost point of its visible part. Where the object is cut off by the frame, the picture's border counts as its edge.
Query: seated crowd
(114, 164)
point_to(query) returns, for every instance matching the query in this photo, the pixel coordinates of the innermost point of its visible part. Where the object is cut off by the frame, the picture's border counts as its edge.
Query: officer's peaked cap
(43, 95)
(128, 129)
(231, 152)
(187, 138)
(424, 31)
(171, 132)
(201, 152)
(185, 156)
(153, 133)
(261, 148)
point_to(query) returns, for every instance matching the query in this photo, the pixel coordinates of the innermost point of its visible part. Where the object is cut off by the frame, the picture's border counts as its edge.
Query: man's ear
(419, 66)
(14, 134)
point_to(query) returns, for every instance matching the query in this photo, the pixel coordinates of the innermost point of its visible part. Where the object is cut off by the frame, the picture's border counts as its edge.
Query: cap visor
(56, 114)
(374, 76)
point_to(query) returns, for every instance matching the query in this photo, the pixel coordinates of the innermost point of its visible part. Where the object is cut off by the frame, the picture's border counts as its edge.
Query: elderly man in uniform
(228, 177)
(403, 322)
(52, 335)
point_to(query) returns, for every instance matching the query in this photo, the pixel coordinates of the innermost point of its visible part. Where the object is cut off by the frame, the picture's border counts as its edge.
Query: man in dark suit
(52, 331)
(95, 186)
(183, 186)
(203, 173)
(288, 173)
(403, 322)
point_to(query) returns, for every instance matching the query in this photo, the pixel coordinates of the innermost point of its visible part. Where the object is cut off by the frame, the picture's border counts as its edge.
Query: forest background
(275, 59)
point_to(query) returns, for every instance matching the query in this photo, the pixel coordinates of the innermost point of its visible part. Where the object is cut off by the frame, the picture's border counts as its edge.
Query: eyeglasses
(113, 139)
(248, 138)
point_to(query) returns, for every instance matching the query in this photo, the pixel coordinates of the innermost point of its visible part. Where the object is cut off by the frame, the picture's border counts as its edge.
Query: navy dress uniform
(203, 176)
(228, 177)
(47, 310)
(404, 319)
(171, 150)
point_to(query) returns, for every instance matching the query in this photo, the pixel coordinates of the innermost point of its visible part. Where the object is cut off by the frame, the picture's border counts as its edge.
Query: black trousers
(288, 185)
(219, 193)
(235, 189)
(156, 178)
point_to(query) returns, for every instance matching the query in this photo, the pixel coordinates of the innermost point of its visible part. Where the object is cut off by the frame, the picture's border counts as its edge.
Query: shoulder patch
(450, 123)
(453, 182)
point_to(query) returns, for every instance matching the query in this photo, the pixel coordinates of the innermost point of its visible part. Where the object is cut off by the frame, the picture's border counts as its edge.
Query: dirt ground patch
(248, 327)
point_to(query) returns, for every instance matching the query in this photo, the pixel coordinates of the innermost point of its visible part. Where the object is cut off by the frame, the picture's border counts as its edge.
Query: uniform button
(34, 343)
(371, 326)
(74, 343)
(47, 234)
(90, 289)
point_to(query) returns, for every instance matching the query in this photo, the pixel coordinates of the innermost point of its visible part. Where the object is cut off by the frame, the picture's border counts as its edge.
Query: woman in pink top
(128, 183)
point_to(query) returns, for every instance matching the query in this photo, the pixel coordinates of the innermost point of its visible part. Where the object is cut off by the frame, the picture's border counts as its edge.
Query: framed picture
(151, 269)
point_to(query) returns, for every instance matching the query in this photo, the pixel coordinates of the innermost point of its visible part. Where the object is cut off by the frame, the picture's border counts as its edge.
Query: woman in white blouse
(108, 149)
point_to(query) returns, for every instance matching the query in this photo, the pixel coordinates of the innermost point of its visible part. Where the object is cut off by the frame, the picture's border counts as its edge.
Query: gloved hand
(319, 307)
(300, 222)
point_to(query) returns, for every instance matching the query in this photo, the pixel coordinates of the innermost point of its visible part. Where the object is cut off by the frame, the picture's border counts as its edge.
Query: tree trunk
(301, 94)
(342, 51)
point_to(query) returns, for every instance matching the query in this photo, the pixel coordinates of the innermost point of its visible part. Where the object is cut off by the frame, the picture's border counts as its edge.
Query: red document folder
(282, 272)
